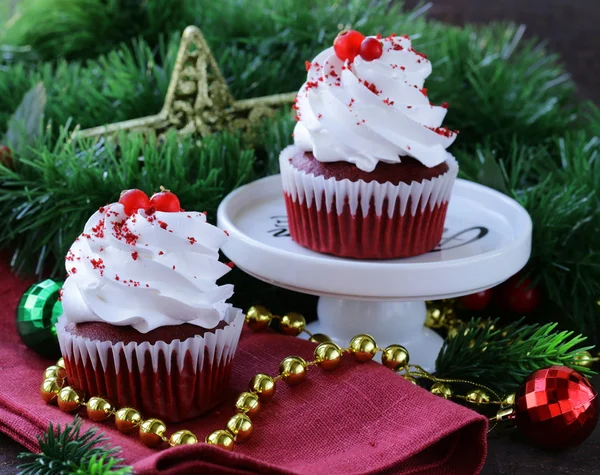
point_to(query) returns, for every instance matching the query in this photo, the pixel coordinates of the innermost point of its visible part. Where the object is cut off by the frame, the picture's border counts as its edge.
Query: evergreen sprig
(68, 451)
(64, 182)
(502, 357)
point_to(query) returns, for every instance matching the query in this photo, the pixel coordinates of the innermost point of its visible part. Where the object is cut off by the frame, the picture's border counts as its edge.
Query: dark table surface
(570, 27)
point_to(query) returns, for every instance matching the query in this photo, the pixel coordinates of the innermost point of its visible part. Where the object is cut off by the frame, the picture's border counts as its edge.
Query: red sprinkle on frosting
(371, 87)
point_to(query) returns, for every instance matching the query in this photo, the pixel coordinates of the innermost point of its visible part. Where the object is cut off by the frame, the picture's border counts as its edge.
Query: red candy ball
(521, 297)
(6, 156)
(370, 49)
(556, 407)
(165, 201)
(132, 200)
(347, 44)
(477, 301)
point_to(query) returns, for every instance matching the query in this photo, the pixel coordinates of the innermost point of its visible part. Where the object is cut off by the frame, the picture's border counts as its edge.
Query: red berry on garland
(371, 49)
(132, 200)
(477, 301)
(6, 156)
(520, 295)
(347, 44)
(556, 407)
(165, 201)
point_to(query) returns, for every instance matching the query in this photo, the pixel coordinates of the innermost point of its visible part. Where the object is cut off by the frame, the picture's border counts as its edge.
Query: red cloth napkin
(361, 418)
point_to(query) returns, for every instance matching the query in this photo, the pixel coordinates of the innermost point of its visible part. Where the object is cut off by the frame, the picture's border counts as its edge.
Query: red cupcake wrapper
(172, 382)
(365, 220)
(365, 237)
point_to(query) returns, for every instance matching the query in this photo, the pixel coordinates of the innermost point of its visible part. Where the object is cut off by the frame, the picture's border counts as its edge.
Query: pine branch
(79, 29)
(65, 183)
(501, 358)
(65, 451)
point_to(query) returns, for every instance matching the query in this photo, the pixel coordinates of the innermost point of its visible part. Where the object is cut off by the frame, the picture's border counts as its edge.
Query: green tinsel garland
(523, 129)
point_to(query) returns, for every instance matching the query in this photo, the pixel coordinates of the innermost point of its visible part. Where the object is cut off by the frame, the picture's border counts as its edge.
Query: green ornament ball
(37, 312)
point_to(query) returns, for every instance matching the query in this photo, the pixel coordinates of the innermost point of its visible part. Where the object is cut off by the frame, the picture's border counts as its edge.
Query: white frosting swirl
(146, 271)
(370, 111)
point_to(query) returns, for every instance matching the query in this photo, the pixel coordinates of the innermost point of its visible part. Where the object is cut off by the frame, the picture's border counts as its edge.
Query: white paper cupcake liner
(337, 194)
(218, 346)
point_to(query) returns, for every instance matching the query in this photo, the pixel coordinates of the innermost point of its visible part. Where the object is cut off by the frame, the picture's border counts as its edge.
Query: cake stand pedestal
(487, 239)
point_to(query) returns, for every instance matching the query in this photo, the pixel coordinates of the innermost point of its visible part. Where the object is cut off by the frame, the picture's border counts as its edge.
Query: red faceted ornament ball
(556, 407)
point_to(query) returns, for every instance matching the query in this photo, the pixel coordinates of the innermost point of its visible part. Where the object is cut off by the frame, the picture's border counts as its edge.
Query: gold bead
(319, 338)
(248, 403)
(55, 371)
(221, 438)
(509, 400)
(69, 399)
(477, 396)
(328, 355)
(395, 357)
(440, 314)
(49, 389)
(505, 413)
(258, 317)
(411, 379)
(585, 359)
(363, 347)
(241, 427)
(263, 386)
(292, 324)
(183, 437)
(293, 369)
(440, 389)
(127, 419)
(98, 409)
(152, 432)
(452, 332)
(61, 363)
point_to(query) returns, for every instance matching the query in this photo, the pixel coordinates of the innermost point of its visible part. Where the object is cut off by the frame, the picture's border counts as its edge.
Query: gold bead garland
(262, 387)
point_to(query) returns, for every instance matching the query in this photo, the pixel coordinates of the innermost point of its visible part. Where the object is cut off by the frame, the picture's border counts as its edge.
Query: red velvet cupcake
(144, 322)
(368, 175)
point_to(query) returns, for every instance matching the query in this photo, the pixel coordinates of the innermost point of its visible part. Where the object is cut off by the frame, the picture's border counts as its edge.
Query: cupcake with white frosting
(368, 175)
(145, 323)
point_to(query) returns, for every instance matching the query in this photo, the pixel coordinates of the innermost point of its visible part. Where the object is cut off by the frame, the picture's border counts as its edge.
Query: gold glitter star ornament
(198, 100)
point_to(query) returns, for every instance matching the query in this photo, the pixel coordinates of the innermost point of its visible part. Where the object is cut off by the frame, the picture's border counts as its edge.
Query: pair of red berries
(133, 200)
(350, 44)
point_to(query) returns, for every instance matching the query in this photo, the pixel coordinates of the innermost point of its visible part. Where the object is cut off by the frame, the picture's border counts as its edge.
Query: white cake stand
(487, 239)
